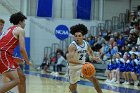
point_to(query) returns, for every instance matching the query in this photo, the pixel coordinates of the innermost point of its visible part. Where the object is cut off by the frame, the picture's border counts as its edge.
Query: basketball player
(76, 56)
(1, 25)
(22, 85)
(8, 41)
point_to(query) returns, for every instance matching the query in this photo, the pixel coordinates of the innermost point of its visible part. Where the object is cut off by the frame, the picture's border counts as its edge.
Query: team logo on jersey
(82, 51)
(62, 32)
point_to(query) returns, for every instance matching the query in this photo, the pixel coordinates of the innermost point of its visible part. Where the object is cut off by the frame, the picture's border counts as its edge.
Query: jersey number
(81, 56)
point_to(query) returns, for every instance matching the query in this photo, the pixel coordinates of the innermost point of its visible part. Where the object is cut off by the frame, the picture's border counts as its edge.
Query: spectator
(118, 64)
(133, 50)
(61, 62)
(1, 25)
(44, 66)
(133, 64)
(126, 74)
(120, 42)
(91, 40)
(138, 39)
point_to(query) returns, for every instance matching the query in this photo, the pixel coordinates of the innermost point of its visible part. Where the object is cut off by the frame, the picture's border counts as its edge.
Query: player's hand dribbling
(97, 59)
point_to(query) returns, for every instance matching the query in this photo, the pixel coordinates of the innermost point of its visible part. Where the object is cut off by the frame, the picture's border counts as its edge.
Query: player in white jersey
(76, 56)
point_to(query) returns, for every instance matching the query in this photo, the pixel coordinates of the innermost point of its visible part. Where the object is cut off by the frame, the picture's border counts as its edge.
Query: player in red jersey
(8, 41)
(22, 85)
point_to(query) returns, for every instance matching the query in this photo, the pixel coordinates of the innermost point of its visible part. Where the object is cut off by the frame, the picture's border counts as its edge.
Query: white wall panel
(68, 9)
(134, 4)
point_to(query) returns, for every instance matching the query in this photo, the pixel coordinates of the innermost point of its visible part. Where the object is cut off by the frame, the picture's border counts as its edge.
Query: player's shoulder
(72, 45)
(86, 43)
(20, 29)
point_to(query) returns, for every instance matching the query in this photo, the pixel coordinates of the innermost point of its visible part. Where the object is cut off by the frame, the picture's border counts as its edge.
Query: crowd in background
(121, 48)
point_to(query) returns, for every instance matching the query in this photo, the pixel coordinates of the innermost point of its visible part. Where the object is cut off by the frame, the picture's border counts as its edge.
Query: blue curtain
(84, 9)
(44, 8)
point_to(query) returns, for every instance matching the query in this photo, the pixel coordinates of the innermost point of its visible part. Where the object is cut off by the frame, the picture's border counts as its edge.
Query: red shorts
(18, 61)
(6, 62)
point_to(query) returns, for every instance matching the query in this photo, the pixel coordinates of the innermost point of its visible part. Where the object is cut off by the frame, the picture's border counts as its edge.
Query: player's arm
(23, 52)
(91, 54)
(18, 60)
(71, 55)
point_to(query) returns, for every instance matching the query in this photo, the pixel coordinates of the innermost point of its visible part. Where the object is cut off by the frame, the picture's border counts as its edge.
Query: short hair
(2, 21)
(79, 28)
(17, 17)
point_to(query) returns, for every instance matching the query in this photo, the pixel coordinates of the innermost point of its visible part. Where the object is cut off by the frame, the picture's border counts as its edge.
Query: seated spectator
(133, 64)
(108, 71)
(132, 39)
(61, 62)
(91, 40)
(133, 50)
(118, 68)
(126, 73)
(138, 39)
(120, 41)
(45, 64)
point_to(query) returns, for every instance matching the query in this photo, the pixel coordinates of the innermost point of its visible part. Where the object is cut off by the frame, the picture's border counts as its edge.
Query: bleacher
(118, 23)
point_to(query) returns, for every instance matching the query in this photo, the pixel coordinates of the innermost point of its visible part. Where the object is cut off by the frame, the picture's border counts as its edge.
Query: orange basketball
(88, 70)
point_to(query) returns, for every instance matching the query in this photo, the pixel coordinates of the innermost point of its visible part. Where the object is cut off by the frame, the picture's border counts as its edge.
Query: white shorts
(75, 73)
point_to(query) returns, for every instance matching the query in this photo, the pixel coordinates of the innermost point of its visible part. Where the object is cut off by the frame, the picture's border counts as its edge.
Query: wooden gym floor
(46, 83)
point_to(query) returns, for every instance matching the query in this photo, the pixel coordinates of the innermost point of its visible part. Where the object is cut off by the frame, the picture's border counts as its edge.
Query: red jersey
(7, 44)
(8, 41)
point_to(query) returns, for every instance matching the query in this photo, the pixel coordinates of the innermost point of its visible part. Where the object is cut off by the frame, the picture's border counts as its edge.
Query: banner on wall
(62, 32)
(84, 9)
(44, 8)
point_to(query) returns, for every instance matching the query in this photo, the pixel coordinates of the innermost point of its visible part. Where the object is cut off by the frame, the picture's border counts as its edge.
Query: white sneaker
(127, 83)
(117, 82)
(53, 73)
(113, 80)
(124, 83)
(56, 74)
(42, 71)
(136, 83)
(107, 81)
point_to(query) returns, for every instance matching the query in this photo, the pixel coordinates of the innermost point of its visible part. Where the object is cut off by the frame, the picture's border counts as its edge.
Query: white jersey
(81, 51)
(75, 69)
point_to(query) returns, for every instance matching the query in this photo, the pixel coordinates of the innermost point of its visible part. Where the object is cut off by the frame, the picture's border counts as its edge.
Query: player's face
(22, 23)
(79, 37)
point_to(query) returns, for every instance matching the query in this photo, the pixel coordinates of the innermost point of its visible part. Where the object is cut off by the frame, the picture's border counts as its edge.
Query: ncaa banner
(84, 9)
(44, 8)
(62, 32)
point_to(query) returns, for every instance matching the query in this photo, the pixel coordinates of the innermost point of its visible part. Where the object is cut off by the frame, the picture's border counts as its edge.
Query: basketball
(88, 70)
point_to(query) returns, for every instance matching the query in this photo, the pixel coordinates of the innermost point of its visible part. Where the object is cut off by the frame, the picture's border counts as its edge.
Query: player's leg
(19, 64)
(22, 84)
(74, 77)
(5, 79)
(13, 76)
(94, 80)
(73, 88)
